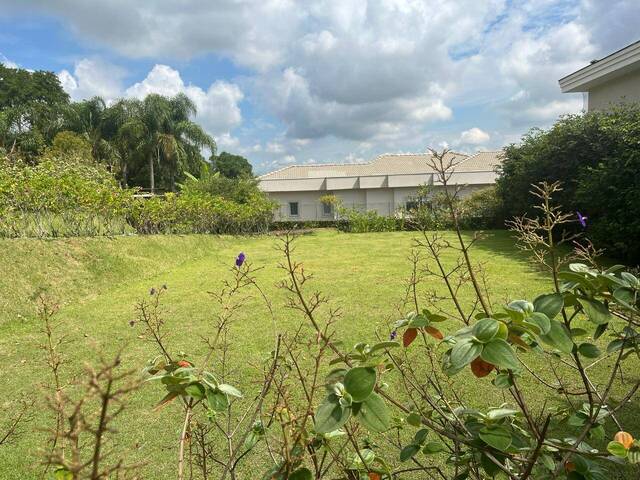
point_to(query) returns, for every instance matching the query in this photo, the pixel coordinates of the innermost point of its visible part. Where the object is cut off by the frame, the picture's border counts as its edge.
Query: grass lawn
(98, 281)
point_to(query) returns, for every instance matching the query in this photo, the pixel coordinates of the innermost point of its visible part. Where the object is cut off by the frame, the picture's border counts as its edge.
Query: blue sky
(283, 81)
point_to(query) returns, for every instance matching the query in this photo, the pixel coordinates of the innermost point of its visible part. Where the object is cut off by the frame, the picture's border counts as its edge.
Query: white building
(385, 185)
(611, 80)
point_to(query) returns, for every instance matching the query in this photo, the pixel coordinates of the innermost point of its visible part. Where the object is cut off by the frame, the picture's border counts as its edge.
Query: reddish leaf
(168, 398)
(480, 368)
(409, 336)
(374, 476)
(183, 363)
(434, 332)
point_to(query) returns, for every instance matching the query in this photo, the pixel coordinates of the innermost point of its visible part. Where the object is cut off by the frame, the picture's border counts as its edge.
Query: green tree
(171, 140)
(595, 157)
(31, 105)
(232, 166)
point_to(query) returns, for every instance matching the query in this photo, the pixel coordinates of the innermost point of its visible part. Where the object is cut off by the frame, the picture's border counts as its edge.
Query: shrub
(356, 221)
(482, 209)
(199, 213)
(596, 157)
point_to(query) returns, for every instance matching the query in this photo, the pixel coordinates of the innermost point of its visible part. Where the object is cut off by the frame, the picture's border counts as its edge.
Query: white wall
(385, 201)
(618, 90)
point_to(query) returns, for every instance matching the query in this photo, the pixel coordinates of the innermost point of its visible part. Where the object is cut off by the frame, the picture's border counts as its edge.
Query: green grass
(98, 281)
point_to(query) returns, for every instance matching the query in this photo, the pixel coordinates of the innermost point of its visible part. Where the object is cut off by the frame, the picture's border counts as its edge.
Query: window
(293, 209)
(327, 210)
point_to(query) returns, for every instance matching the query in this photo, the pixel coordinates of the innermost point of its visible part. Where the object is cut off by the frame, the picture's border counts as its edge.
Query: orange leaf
(434, 332)
(409, 336)
(480, 368)
(624, 438)
(168, 398)
(374, 476)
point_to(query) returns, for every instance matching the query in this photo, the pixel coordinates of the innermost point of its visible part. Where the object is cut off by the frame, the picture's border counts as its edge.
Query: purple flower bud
(240, 259)
(152, 292)
(393, 335)
(582, 219)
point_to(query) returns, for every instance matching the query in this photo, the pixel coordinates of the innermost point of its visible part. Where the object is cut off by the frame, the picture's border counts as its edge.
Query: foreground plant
(391, 409)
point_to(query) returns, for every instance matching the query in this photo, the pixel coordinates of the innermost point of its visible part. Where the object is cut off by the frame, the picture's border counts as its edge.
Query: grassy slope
(98, 282)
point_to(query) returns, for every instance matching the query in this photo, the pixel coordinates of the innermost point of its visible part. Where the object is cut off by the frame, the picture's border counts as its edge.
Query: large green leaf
(229, 390)
(588, 350)
(595, 311)
(373, 413)
(331, 415)
(499, 353)
(558, 337)
(549, 304)
(496, 436)
(217, 400)
(359, 382)
(541, 321)
(464, 352)
(485, 329)
(625, 297)
(409, 451)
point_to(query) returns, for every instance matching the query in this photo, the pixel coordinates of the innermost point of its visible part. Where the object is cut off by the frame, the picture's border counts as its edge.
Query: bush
(199, 213)
(240, 190)
(355, 221)
(60, 197)
(482, 209)
(596, 157)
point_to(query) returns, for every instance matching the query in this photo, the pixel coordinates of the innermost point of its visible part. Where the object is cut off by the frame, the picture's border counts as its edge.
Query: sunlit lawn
(98, 282)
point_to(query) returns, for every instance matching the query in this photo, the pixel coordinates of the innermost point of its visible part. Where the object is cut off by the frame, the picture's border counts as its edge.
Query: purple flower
(393, 335)
(240, 259)
(582, 219)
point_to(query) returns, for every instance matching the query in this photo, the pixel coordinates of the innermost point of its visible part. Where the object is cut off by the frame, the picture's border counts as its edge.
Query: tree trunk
(152, 182)
(125, 175)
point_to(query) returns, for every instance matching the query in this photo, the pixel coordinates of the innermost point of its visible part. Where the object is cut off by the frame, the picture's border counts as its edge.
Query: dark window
(327, 209)
(293, 209)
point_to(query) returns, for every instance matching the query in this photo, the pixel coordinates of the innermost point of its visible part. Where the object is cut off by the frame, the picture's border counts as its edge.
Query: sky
(287, 82)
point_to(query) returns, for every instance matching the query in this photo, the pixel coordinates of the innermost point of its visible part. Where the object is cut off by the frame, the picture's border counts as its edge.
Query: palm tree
(126, 132)
(171, 135)
(88, 118)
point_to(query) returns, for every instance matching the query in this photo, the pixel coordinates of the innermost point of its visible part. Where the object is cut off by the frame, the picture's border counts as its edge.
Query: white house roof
(600, 71)
(386, 170)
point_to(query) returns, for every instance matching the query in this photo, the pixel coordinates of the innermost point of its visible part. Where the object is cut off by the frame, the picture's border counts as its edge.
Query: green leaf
(485, 329)
(498, 352)
(549, 304)
(359, 382)
(383, 345)
(420, 436)
(62, 473)
(588, 350)
(409, 451)
(595, 311)
(464, 352)
(503, 380)
(217, 400)
(558, 337)
(496, 436)
(617, 449)
(229, 390)
(433, 447)
(498, 413)
(301, 474)
(625, 297)
(373, 413)
(541, 321)
(331, 415)
(195, 390)
(414, 419)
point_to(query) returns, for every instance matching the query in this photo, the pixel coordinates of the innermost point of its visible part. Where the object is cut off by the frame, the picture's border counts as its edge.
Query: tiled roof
(386, 164)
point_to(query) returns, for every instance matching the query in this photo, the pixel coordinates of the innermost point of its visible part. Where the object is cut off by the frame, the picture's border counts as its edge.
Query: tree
(171, 139)
(595, 157)
(232, 166)
(31, 105)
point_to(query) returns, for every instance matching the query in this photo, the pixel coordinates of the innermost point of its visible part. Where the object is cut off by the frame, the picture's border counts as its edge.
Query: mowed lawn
(98, 281)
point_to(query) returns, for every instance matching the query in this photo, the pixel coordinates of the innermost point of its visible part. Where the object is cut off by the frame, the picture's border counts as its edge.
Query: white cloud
(92, 77)
(218, 109)
(474, 136)
(274, 147)
(8, 63)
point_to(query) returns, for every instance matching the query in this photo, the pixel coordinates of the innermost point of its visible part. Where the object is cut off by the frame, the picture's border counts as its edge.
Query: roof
(386, 164)
(614, 65)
